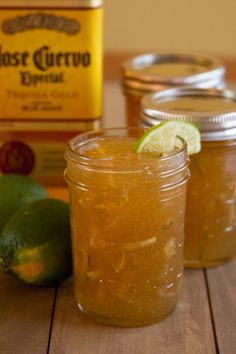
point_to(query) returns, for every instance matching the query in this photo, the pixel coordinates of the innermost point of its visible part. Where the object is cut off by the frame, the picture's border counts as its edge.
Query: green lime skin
(15, 192)
(35, 244)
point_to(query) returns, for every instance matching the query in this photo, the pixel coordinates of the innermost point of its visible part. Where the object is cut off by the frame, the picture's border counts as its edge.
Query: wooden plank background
(222, 288)
(25, 317)
(188, 330)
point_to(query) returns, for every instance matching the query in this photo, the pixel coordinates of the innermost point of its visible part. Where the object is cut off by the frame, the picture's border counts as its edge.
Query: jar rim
(121, 165)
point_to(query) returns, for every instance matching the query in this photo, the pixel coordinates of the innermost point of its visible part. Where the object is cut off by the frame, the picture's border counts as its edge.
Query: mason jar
(210, 227)
(154, 72)
(126, 208)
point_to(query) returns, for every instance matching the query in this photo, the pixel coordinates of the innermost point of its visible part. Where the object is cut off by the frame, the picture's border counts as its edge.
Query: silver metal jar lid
(156, 71)
(212, 110)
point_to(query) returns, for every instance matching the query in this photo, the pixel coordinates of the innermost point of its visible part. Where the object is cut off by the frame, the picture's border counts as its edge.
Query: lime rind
(15, 192)
(35, 244)
(162, 138)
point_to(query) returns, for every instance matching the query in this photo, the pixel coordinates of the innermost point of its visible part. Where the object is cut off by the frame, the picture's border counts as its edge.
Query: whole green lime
(35, 244)
(15, 192)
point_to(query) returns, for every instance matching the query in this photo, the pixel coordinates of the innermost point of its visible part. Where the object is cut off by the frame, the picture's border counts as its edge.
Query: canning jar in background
(154, 72)
(127, 214)
(210, 237)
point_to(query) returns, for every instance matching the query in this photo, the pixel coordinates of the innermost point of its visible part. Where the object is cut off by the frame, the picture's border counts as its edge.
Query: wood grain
(222, 286)
(25, 317)
(188, 330)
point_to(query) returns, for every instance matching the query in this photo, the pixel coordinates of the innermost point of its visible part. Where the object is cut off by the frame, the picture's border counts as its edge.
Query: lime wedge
(163, 138)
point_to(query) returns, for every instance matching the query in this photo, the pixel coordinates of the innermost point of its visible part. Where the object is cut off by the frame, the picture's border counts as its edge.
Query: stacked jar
(210, 229)
(154, 72)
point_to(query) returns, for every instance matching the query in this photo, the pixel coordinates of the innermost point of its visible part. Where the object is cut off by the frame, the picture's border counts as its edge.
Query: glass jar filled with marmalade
(126, 208)
(210, 227)
(154, 72)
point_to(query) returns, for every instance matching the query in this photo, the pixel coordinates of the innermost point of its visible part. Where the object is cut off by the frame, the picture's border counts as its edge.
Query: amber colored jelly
(210, 237)
(127, 215)
(133, 108)
(211, 206)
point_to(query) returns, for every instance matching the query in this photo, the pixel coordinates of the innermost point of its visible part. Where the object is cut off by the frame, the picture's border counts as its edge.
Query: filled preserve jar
(157, 71)
(127, 214)
(210, 232)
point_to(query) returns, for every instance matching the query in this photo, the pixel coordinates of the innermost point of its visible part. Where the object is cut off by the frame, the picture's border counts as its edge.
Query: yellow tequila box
(51, 79)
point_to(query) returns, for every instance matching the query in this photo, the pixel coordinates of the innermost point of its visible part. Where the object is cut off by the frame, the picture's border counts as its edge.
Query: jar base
(203, 264)
(120, 322)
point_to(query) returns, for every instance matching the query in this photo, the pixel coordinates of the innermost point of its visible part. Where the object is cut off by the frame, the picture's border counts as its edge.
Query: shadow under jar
(127, 215)
(154, 72)
(210, 230)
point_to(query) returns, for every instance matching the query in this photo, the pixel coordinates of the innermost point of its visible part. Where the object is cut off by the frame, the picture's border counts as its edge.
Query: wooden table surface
(35, 320)
(46, 320)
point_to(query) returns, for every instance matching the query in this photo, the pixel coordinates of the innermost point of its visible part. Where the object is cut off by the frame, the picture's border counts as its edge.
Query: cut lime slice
(163, 138)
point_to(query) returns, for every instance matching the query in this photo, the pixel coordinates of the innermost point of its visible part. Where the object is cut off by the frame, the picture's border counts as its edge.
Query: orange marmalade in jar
(157, 71)
(210, 228)
(127, 213)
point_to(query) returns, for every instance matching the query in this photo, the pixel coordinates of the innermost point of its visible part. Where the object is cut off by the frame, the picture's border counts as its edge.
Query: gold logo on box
(40, 21)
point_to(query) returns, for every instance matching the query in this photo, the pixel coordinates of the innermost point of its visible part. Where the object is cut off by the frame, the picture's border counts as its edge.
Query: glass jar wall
(126, 209)
(210, 237)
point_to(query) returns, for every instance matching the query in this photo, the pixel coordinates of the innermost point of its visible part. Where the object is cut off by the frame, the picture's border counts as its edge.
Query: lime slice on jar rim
(163, 138)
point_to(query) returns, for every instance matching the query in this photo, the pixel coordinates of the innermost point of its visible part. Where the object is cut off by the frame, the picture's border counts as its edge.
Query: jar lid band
(213, 111)
(149, 71)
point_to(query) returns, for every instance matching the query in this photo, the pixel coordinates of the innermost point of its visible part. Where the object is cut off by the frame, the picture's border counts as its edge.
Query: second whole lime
(15, 192)
(35, 243)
